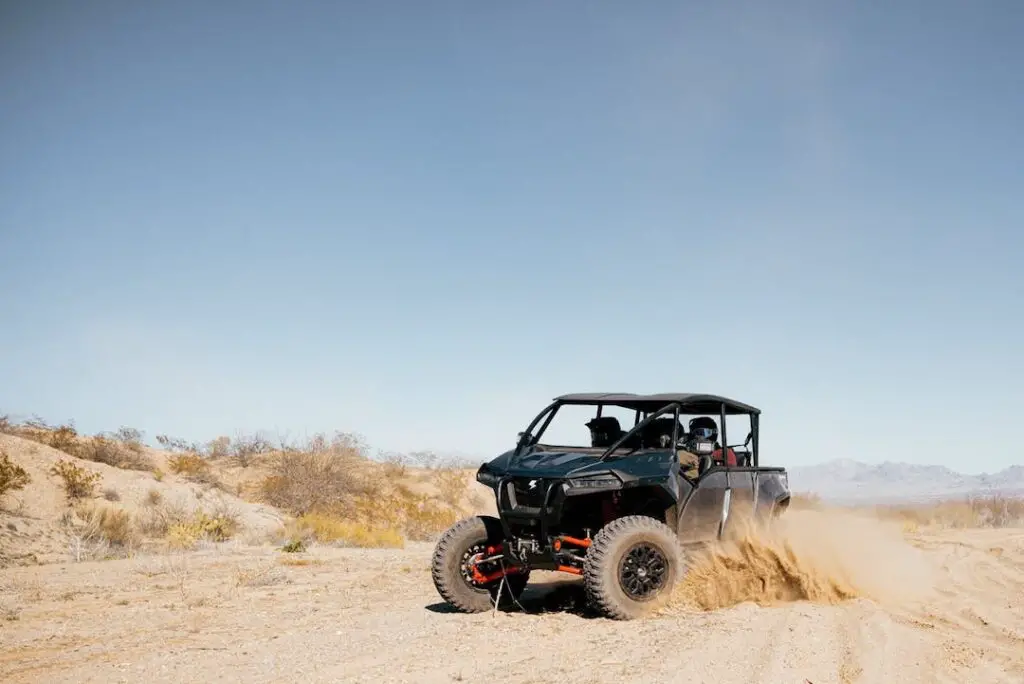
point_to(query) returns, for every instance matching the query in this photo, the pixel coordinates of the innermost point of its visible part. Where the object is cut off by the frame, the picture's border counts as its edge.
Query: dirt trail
(942, 608)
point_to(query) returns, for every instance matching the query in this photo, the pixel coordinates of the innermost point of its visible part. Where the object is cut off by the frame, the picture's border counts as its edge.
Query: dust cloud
(824, 557)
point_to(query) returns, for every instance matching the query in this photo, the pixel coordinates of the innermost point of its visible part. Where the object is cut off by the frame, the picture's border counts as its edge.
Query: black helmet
(704, 428)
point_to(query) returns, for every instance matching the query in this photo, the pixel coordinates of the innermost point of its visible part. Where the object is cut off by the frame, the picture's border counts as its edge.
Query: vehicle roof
(692, 402)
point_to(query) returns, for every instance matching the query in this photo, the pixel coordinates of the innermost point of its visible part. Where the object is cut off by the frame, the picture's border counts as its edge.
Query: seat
(658, 433)
(604, 431)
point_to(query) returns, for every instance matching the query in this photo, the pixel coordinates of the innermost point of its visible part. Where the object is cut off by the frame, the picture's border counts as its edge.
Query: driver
(705, 428)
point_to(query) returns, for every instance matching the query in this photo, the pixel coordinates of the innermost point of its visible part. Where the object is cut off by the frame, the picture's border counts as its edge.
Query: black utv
(620, 511)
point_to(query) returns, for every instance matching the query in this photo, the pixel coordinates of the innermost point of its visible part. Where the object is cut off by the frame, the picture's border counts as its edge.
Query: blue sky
(419, 223)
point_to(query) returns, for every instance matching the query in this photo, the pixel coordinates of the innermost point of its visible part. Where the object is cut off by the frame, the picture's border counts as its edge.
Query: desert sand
(933, 608)
(827, 596)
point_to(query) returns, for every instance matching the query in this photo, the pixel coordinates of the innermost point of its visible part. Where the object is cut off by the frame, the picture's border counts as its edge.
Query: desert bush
(193, 468)
(98, 533)
(114, 452)
(158, 516)
(187, 464)
(970, 512)
(63, 438)
(452, 485)
(12, 476)
(321, 475)
(202, 526)
(425, 519)
(111, 494)
(176, 444)
(246, 448)
(78, 482)
(218, 448)
(293, 546)
(114, 525)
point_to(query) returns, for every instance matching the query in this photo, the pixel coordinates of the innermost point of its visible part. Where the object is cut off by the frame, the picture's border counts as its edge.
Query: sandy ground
(940, 607)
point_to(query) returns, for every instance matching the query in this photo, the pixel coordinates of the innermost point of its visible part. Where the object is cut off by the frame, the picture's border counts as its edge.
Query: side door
(702, 513)
(742, 495)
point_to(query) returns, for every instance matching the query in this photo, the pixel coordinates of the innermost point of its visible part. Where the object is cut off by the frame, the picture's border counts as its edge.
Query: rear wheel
(461, 550)
(632, 567)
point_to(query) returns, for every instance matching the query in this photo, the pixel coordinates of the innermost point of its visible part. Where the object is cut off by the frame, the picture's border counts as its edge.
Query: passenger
(706, 428)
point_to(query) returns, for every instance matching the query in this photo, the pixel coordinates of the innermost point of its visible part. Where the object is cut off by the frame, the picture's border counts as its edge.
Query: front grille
(523, 494)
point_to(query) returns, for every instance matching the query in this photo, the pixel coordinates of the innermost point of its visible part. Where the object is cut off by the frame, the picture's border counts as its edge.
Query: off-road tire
(657, 547)
(447, 573)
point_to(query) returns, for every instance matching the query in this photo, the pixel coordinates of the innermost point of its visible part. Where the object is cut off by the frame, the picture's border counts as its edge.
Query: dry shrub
(158, 517)
(218, 448)
(111, 494)
(121, 449)
(452, 485)
(187, 464)
(971, 512)
(98, 533)
(319, 476)
(12, 476)
(338, 495)
(78, 482)
(63, 438)
(114, 525)
(114, 452)
(193, 468)
(247, 448)
(202, 526)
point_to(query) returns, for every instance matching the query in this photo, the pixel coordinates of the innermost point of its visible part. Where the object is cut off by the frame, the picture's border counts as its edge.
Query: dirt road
(245, 614)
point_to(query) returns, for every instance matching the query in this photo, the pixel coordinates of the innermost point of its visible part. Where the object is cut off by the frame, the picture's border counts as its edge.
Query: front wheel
(458, 551)
(631, 567)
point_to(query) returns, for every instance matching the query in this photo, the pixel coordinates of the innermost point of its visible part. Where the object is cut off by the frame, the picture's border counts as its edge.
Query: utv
(620, 511)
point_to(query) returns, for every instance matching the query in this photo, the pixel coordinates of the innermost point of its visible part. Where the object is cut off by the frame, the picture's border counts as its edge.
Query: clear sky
(421, 221)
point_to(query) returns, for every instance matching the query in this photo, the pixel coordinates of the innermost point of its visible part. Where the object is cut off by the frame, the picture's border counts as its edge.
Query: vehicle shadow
(542, 597)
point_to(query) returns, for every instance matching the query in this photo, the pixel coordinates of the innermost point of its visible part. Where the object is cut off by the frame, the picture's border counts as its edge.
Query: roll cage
(648, 408)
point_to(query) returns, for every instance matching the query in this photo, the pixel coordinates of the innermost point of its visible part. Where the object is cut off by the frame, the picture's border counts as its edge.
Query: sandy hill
(155, 497)
(40, 522)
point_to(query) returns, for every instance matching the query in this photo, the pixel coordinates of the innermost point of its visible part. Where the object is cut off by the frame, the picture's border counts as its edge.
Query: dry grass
(339, 496)
(327, 529)
(12, 476)
(121, 449)
(974, 512)
(202, 527)
(991, 511)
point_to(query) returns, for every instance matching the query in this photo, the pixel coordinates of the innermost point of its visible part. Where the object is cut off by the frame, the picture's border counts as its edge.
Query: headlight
(595, 482)
(489, 479)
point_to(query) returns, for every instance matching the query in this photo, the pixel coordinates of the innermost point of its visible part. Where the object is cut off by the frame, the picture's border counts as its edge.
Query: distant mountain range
(848, 481)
